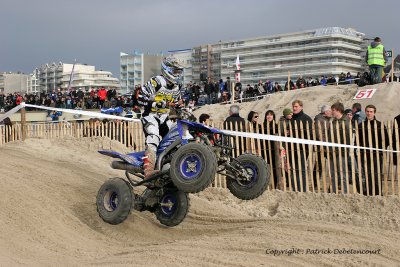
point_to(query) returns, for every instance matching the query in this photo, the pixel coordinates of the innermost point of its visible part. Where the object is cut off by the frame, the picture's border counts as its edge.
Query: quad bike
(188, 158)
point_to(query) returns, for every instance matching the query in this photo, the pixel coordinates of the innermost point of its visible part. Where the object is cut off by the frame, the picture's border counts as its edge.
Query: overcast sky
(36, 32)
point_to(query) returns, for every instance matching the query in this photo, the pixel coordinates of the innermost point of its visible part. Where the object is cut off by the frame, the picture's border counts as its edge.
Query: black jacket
(235, 120)
(303, 122)
(364, 136)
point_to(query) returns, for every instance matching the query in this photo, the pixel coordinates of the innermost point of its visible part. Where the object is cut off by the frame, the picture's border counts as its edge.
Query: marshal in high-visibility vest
(376, 54)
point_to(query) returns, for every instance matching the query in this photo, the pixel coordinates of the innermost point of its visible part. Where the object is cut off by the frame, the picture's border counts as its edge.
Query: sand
(48, 218)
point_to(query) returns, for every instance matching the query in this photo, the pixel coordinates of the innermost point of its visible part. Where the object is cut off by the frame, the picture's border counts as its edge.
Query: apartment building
(324, 51)
(50, 77)
(137, 68)
(13, 82)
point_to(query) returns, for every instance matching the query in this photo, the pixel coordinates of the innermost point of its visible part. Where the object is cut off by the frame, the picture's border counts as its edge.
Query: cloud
(94, 32)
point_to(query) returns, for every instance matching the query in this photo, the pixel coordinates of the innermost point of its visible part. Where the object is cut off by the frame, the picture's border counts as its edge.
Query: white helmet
(171, 70)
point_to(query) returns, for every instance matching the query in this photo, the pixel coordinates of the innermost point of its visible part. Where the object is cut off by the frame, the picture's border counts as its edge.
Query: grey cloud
(94, 32)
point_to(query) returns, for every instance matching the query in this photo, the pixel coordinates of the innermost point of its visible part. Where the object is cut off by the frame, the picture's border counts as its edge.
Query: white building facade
(312, 53)
(50, 77)
(137, 68)
(13, 82)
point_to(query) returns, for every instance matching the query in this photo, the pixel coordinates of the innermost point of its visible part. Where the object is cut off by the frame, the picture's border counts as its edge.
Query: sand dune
(48, 218)
(313, 98)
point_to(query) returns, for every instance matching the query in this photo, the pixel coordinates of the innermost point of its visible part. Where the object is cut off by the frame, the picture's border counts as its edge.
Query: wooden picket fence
(294, 167)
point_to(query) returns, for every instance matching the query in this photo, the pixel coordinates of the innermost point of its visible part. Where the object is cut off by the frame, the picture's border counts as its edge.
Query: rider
(156, 96)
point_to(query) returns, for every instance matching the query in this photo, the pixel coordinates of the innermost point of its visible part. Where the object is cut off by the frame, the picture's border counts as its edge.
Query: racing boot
(149, 163)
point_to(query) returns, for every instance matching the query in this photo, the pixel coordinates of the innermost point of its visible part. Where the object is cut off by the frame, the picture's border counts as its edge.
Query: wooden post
(23, 123)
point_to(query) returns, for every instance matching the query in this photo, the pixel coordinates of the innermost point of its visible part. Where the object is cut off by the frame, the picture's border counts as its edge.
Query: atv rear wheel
(193, 167)
(259, 181)
(114, 201)
(172, 208)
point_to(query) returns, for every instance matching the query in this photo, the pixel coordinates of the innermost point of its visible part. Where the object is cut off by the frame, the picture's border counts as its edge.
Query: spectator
(357, 78)
(322, 122)
(255, 127)
(238, 91)
(209, 90)
(277, 87)
(204, 119)
(342, 78)
(300, 83)
(331, 80)
(235, 123)
(323, 81)
(349, 114)
(216, 92)
(80, 94)
(260, 87)
(252, 118)
(271, 128)
(285, 122)
(250, 92)
(228, 85)
(358, 114)
(55, 115)
(221, 89)
(341, 125)
(268, 87)
(291, 86)
(372, 161)
(349, 78)
(376, 60)
(301, 128)
(102, 94)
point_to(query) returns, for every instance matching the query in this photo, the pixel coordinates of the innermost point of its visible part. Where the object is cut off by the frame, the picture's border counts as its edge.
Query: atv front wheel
(173, 207)
(259, 173)
(193, 167)
(114, 201)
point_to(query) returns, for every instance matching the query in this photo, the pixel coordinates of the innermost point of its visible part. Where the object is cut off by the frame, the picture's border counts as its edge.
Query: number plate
(364, 93)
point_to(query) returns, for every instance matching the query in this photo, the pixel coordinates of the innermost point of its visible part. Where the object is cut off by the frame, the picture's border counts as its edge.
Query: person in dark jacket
(236, 123)
(322, 121)
(209, 90)
(302, 129)
(372, 133)
(339, 134)
(271, 128)
(358, 114)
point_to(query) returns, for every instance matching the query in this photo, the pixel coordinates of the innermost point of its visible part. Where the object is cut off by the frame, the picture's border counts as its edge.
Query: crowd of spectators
(335, 124)
(73, 99)
(194, 94)
(211, 91)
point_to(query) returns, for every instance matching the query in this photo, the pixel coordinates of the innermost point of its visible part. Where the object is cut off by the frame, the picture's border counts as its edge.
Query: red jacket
(102, 94)
(18, 100)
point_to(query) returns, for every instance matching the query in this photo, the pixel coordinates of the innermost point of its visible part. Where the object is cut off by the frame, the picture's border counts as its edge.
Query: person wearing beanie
(349, 113)
(287, 112)
(284, 121)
